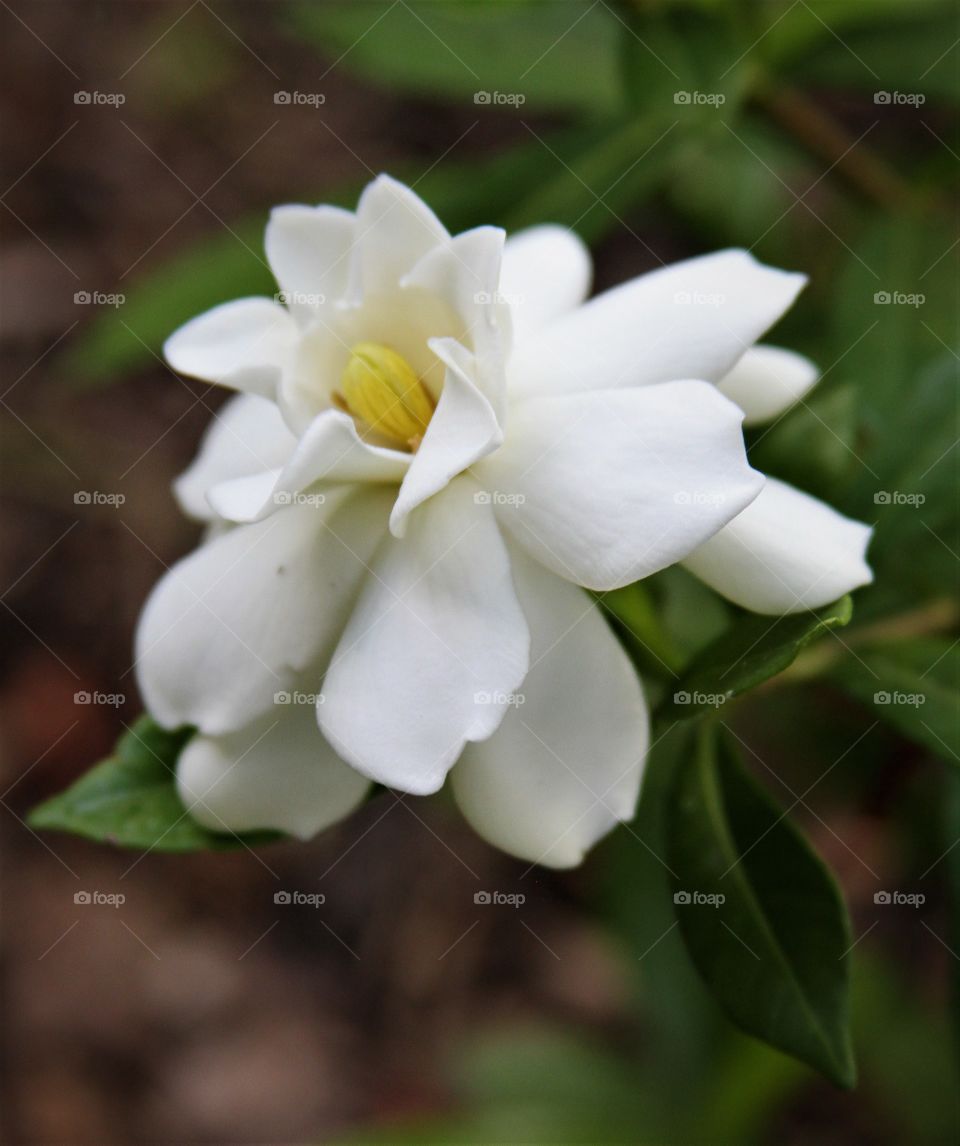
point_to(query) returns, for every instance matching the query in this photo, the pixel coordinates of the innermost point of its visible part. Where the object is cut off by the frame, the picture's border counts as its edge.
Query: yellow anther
(380, 389)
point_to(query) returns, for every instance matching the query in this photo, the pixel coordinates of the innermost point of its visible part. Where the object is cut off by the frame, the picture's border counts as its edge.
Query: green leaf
(559, 55)
(131, 799)
(774, 949)
(913, 685)
(751, 651)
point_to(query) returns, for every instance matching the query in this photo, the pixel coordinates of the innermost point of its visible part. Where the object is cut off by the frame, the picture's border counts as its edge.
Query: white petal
(277, 772)
(463, 429)
(608, 487)
(768, 380)
(546, 274)
(436, 626)
(464, 273)
(240, 618)
(308, 249)
(690, 320)
(247, 435)
(564, 766)
(785, 553)
(330, 451)
(394, 229)
(246, 345)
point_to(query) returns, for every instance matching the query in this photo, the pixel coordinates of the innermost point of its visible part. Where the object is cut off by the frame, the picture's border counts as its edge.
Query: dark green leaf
(131, 799)
(560, 55)
(913, 685)
(753, 649)
(770, 934)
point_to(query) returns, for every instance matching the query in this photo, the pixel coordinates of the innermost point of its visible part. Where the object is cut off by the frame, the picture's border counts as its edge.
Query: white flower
(436, 445)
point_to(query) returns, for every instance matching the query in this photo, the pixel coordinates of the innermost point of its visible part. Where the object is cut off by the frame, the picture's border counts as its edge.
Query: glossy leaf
(131, 799)
(751, 651)
(913, 685)
(761, 915)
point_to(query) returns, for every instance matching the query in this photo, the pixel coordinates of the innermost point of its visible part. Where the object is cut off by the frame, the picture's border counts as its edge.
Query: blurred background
(143, 144)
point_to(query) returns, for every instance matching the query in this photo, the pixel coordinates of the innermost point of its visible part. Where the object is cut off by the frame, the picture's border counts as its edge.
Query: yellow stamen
(380, 388)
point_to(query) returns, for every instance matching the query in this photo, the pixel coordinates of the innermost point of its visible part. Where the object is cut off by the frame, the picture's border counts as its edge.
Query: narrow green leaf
(131, 799)
(761, 915)
(913, 685)
(751, 651)
(494, 58)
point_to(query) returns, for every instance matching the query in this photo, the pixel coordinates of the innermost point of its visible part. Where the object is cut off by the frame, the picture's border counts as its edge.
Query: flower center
(380, 389)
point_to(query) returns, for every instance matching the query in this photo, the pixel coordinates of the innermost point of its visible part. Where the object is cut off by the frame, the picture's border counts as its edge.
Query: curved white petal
(546, 274)
(785, 553)
(689, 320)
(768, 380)
(435, 645)
(330, 451)
(247, 435)
(394, 229)
(240, 617)
(463, 429)
(607, 487)
(276, 772)
(308, 249)
(465, 273)
(246, 345)
(564, 766)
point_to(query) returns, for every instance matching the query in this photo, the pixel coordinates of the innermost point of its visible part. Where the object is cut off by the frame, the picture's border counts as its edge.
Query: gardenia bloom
(437, 445)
